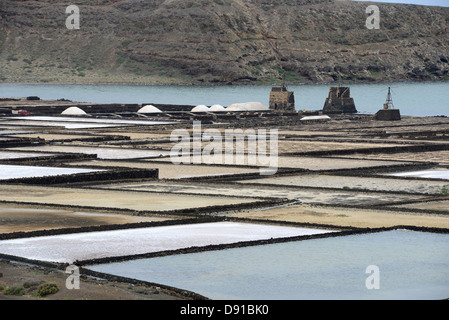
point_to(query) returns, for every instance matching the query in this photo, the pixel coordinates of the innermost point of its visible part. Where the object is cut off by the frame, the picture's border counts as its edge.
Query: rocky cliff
(221, 41)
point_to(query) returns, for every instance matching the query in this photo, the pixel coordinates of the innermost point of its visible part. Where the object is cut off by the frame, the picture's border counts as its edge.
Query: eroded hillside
(221, 41)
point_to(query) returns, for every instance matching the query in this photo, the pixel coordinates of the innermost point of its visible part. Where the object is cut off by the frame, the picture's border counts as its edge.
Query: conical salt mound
(73, 111)
(217, 107)
(200, 108)
(149, 109)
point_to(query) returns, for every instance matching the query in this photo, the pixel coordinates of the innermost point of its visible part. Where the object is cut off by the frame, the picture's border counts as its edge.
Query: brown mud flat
(29, 219)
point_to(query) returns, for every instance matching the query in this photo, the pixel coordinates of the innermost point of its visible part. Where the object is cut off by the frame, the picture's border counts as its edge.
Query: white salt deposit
(315, 118)
(90, 245)
(200, 108)
(217, 107)
(149, 109)
(73, 111)
(432, 174)
(14, 172)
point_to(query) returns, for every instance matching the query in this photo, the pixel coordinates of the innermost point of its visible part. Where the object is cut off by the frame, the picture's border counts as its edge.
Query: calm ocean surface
(411, 265)
(415, 99)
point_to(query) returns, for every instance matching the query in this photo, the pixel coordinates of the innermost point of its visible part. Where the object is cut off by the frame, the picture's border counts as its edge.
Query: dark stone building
(281, 99)
(339, 101)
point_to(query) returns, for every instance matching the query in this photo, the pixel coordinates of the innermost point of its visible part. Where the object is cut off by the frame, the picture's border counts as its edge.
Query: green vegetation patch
(14, 291)
(37, 288)
(445, 190)
(47, 288)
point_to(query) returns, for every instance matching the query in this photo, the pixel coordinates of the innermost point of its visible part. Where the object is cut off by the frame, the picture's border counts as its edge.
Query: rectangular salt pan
(90, 245)
(432, 174)
(15, 172)
(18, 155)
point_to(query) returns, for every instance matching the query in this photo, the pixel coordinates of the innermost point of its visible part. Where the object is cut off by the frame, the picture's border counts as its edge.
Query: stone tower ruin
(281, 99)
(339, 101)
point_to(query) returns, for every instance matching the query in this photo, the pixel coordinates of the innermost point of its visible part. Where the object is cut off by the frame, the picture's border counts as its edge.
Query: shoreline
(225, 84)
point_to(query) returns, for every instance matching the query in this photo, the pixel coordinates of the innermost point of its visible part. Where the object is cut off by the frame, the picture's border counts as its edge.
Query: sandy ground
(365, 183)
(140, 201)
(348, 197)
(434, 205)
(348, 217)
(441, 157)
(25, 219)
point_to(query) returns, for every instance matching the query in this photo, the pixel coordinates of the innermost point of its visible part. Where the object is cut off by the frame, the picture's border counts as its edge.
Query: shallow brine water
(432, 174)
(16, 172)
(410, 265)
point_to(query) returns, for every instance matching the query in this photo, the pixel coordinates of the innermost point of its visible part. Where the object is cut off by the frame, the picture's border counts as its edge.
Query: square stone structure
(339, 101)
(282, 100)
(388, 115)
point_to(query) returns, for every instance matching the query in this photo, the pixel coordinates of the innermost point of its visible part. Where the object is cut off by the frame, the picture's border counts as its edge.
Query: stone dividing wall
(22, 142)
(51, 159)
(124, 174)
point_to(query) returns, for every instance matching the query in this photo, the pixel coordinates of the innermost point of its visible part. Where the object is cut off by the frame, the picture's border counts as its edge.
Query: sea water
(413, 99)
(405, 264)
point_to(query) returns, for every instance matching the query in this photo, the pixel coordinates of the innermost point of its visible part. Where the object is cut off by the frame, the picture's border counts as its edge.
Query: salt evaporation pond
(411, 265)
(432, 174)
(15, 172)
(102, 153)
(18, 155)
(91, 245)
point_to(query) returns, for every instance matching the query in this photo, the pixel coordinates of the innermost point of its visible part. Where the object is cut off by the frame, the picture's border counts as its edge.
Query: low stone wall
(21, 142)
(98, 176)
(50, 159)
